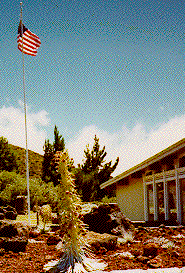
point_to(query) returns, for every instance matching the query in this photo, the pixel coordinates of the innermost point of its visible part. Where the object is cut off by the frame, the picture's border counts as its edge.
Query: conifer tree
(48, 165)
(93, 172)
(58, 144)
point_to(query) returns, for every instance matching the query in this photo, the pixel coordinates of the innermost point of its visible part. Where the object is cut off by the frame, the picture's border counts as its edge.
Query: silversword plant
(75, 257)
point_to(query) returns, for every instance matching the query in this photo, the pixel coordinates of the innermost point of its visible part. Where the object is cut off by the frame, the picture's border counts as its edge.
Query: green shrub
(42, 193)
(7, 157)
(13, 184)
(108, 200)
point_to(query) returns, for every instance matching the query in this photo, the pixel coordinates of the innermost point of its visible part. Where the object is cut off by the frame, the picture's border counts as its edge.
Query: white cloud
(132, 146)
(12, 127)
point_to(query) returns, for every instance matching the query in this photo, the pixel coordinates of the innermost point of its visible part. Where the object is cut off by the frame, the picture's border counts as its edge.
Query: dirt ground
(168, 243)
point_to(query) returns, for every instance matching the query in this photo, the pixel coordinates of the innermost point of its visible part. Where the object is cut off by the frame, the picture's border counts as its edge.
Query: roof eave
(171, 149)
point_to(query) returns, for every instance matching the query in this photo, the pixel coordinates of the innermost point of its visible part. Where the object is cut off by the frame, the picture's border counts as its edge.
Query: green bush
(42, 193)
(7, 157)
(108, 200)
(13, 184)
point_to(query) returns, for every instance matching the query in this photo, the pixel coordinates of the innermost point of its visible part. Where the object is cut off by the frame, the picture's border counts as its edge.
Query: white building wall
(130, 199)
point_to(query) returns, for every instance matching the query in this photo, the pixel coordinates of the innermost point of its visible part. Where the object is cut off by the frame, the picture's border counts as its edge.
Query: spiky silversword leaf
(76, 253)
(68, 264)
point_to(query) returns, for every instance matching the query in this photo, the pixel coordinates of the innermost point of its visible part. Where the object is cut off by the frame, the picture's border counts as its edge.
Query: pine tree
(48, 167)
(58, 144)
(93, 172)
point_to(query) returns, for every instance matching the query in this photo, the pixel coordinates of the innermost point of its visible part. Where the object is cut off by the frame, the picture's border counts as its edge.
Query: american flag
(27, 41)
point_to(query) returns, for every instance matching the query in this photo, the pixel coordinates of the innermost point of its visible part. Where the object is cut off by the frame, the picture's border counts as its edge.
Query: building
(154, 190)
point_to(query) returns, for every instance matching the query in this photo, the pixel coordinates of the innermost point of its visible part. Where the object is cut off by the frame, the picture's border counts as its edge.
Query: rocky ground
(149, 248)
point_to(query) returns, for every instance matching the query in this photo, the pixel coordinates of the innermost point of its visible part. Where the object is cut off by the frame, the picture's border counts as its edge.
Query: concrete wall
(130, 199)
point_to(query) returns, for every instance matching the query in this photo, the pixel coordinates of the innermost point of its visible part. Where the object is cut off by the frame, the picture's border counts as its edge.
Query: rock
(140, 228)
(16, 244)
(55, 227)
(142, 259)
(11, 229)
(9, 212)
(1, 210)
(46, 213)
(2, 251)
(2, 242)
(98, 219)
(175, 254)
(121, 221)
(107, 219)
(49, 257)
(23, 229)
(98, 241)
(150, 249)
(60, 248)
(125, 254)
(53, 239)
(54, 219)
(10, 208)
(7, 229)
(34, 233)
(136, 252)
(2, 216)
(20, 204)
(14, 235)
(156, 262)
(36, 208)
(11, 215)
(128, 238)
(162, 227)
(33, 241)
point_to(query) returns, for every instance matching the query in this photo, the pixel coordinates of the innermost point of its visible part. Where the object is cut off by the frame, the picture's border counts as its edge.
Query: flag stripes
(27, 41)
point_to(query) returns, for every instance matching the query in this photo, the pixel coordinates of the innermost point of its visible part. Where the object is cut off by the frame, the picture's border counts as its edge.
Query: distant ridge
(35, 161)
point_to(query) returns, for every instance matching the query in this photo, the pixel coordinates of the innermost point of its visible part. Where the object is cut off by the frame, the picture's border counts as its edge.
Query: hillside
(35, 161)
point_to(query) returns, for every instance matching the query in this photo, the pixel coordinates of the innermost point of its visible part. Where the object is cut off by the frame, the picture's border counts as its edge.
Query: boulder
(13, 235)
(11, 229)
(2, 216)
(16, 244)
(2, 210)
(142, 259)
(23, 228)
(2, 251)
(107, 219)
(9, 208)
(156, 262)
(150, 249)
(96, 242)
(54, 219)
(20, 204)
(7, 229)
(11, 215)
(101, 242)
(34, 233)
(9, 212)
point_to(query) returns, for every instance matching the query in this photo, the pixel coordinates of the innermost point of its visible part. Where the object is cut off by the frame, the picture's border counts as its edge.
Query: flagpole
(25, 120)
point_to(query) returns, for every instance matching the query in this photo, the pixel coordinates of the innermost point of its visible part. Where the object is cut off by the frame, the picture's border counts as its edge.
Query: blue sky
(111, 68)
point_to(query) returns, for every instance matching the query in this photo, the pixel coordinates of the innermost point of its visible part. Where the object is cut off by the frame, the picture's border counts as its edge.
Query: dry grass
(33, 219)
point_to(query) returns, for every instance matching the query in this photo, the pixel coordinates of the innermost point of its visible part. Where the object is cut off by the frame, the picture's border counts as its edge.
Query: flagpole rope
(25, 121)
